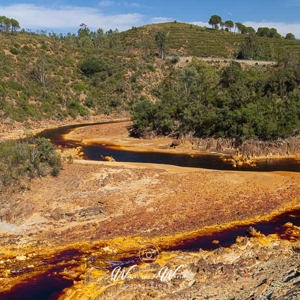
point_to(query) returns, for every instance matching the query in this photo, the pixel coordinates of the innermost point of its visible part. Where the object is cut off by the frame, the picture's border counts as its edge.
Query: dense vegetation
(28, 158)
(232, 103)
(92, 72)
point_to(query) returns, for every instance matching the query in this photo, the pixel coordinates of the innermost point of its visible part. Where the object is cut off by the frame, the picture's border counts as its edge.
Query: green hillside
(187, 39)
(43, 77)
(94, 72)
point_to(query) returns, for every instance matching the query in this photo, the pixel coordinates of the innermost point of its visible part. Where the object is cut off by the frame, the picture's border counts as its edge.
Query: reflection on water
(228, 237)
(43, 287)
(97, 151)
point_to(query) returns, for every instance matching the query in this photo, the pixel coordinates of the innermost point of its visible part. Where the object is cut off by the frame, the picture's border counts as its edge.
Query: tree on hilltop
(8, 25)
(250, 30)
(241, 28)
(268, 32)
(14, 25)
(214, 21)
(290, 36)
(229, 24)
(83, 31)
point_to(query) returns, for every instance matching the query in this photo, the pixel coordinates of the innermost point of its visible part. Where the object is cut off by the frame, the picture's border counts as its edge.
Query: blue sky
(66, 15)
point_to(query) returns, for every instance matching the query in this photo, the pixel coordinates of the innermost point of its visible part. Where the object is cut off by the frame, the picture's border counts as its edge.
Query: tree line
(217, 23)
(84, 37)
(8, 24)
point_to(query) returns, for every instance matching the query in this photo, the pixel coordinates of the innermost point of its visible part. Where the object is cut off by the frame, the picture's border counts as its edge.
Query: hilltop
(192, 40)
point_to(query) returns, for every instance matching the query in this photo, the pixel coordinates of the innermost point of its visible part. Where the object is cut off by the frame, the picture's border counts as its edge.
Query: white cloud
(109, 3)
(161, 20)
(282, 28)
(200, 23)
(68, 18)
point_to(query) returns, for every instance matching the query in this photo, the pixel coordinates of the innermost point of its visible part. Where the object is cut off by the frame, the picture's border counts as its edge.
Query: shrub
(27, 158)
(76, 108)
(89, 102)
(44, 47)
(151, 68)
(175, 59)
(14, 51)
(92, 65)
(80, 87)
(15, 85)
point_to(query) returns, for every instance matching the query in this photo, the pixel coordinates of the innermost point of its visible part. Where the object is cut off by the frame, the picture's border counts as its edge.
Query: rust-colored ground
(103, 201)
(96, 201)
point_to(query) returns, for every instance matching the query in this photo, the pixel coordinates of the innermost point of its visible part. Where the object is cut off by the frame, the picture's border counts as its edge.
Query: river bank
(117, 137)
(250, 152)
(12, 130)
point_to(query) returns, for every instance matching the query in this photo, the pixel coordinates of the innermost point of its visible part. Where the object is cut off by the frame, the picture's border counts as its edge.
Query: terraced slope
(187, 39)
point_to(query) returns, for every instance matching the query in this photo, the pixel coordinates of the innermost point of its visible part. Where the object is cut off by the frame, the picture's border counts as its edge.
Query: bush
(92, 65)
(76, 108)
(151, 68)
(89, 102)
(14, 51)
(80, 87)
(175, 59)
(28, 158)
(15, 85)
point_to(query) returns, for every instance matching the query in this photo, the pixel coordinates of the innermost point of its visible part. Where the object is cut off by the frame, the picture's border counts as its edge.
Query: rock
(108, 158)
(21, 257)
(175, 143)
(253, 232)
